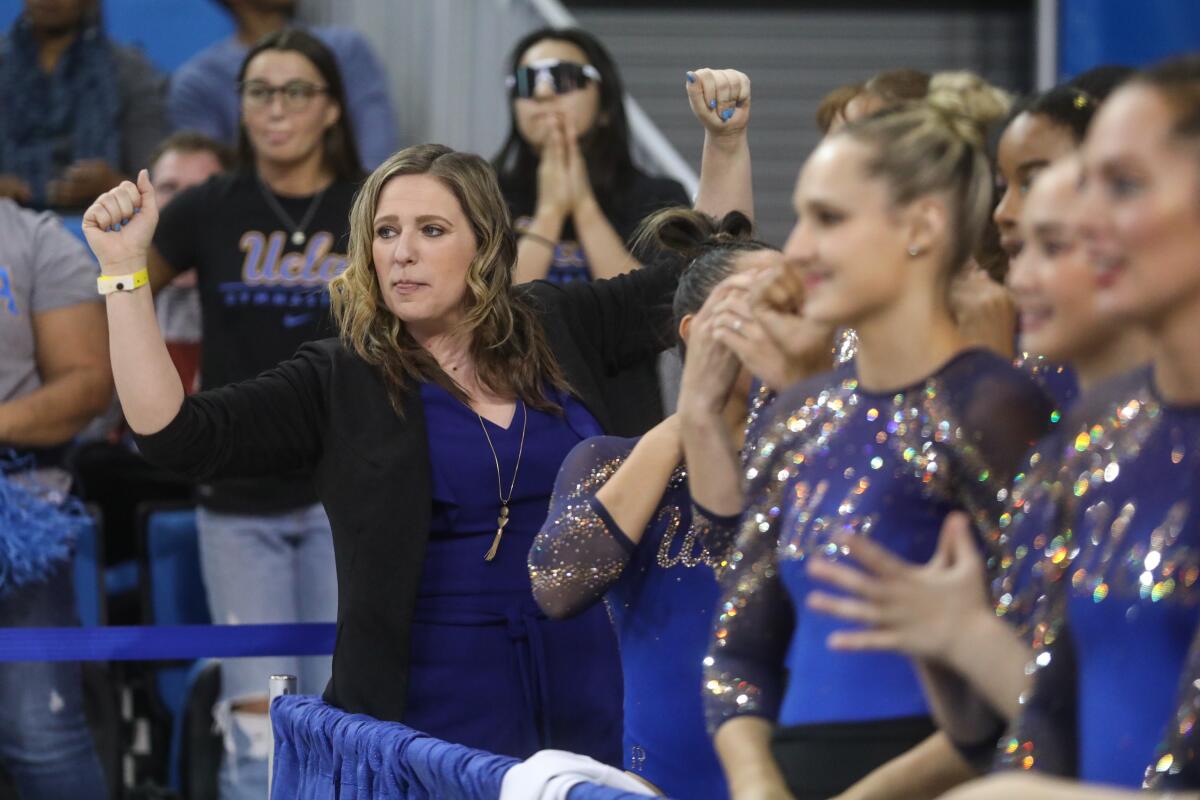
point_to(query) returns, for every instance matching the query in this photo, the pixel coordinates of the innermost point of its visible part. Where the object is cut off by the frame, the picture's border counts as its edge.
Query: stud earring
(914, 251)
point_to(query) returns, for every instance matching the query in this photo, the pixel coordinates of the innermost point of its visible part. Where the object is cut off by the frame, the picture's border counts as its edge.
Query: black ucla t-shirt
(261, 296)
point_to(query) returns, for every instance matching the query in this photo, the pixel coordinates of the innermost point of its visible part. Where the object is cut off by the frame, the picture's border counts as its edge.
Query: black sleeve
(626, 319)
(177, 237)
(1010, 414)
(1004, 414)
(270, 424)
(1044, 736)
(745, 671)
(1175, 766)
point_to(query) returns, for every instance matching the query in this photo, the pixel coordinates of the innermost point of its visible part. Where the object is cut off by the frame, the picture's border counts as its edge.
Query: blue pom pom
(38, 526)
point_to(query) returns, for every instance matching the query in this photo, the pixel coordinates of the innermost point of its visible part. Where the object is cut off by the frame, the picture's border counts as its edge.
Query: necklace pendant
(298, 238)
(501, 521)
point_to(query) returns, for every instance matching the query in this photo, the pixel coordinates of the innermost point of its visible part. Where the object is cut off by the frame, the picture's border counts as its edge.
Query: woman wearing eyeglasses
(576, 198)
(265, 240)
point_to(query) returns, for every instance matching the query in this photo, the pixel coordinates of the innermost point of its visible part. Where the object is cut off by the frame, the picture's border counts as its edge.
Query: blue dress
(661, 593)
(836, 458)
(1114, 698)
(489, 670)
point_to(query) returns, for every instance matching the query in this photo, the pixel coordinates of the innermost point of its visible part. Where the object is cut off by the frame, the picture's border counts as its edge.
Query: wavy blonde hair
(507, 343)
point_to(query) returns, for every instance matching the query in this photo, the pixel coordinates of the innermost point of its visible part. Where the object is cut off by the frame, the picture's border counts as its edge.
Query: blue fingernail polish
(712, 103)
(116, 228)
(726, 114)
(125, 221)
(691, 76)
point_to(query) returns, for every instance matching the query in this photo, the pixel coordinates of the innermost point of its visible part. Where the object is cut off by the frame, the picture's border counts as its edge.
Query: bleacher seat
(168, 31)
(172, 594)
(89, 574)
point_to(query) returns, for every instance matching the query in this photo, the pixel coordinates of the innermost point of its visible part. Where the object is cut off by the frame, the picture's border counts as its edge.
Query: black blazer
(327, 410)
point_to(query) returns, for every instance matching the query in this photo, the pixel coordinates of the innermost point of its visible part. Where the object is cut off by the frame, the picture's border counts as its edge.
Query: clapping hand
(763, 326)
(711, 368)
(553, 176)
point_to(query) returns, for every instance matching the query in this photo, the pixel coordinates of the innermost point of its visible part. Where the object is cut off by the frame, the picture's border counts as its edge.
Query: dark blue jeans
(45, 743)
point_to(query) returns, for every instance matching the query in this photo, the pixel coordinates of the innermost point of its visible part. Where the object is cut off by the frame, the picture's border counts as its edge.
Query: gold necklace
(502, 520)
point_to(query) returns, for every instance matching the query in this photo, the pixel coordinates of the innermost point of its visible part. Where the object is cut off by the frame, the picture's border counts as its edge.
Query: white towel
(550, 775)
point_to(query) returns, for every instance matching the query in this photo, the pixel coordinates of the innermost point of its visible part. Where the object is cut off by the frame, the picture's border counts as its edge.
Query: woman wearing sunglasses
(265, 240)
(567, 174)
(566, 167)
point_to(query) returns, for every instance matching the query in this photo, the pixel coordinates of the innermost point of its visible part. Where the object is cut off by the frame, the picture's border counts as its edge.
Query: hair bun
(688, 232)
(967, 103)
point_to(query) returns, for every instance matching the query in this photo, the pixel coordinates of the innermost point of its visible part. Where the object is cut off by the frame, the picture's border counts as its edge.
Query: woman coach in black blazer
(425, 303)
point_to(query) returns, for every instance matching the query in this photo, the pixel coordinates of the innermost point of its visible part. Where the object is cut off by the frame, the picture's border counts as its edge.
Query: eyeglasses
(560, 76)
(296, 94)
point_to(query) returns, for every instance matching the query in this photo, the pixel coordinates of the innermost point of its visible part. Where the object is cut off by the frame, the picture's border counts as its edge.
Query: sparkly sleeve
(1004, 414)
(580, 551)
(1176, 764)
(1044, 735)
(744, 670)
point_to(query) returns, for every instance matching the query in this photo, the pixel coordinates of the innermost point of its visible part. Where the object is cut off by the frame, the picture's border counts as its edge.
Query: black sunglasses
(561, 76)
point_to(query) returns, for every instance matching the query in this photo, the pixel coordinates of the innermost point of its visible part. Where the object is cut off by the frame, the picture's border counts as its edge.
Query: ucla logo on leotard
(7, 299)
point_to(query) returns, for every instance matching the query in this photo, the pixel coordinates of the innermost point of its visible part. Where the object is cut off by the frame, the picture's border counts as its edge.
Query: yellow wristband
(107, 284)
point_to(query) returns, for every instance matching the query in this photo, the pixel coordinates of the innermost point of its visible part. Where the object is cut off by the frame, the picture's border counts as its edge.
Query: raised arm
(119, 227)
(255, 427)
(720, 99)
(604, 499)
(711, 450)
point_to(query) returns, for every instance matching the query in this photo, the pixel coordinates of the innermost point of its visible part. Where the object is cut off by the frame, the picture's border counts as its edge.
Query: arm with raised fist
(720, 99)
(119, 227)
(257, 427)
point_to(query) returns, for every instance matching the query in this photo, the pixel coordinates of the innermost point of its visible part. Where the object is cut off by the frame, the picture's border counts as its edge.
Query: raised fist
(720, 99)
(120, 225)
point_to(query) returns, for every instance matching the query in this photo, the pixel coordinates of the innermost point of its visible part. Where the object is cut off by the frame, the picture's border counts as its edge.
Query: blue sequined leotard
(1113, 698)
(836, 458)
(661, 593)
